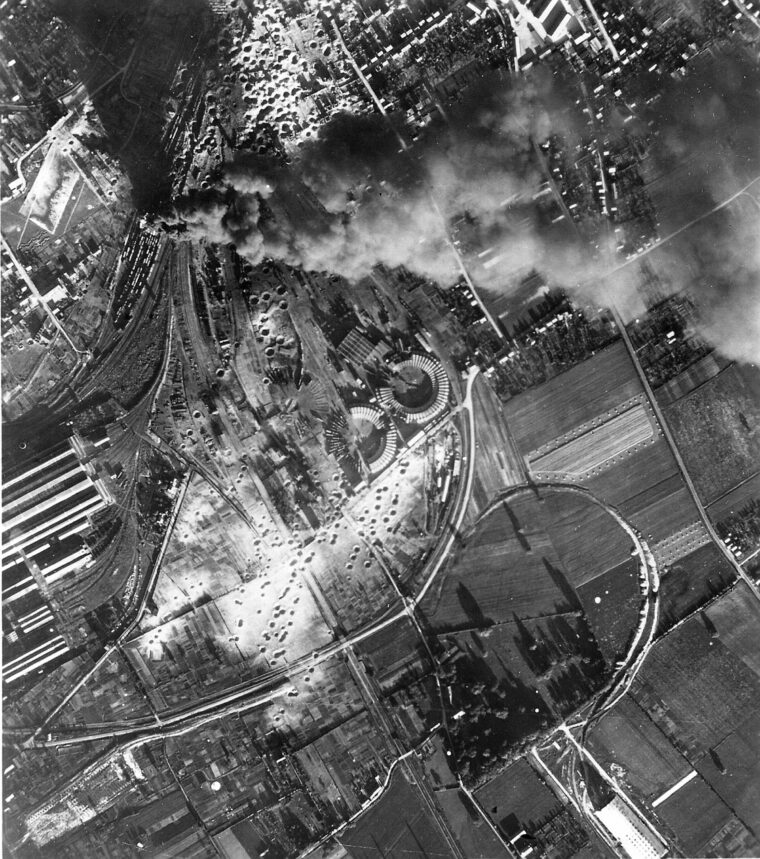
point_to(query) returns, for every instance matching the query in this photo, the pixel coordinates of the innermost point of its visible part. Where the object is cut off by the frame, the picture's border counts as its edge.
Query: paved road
(741, 572)
(744, 191)
(275, 682)
(22, 272)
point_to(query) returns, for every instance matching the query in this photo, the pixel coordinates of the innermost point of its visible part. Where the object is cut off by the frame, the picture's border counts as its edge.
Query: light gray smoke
(354, 200)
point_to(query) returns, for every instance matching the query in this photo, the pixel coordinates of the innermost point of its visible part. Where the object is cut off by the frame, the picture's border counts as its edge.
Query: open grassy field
(396, 827)
(647, 489)
(583, 393)
(518, 799)
(663, 509)
(499, 572)
(717, 428)
(586, 538)
(695, 688)
(524, 558)
(692, 581)
(693, 376)
(733, 771)
(614, 617)
(536, 658)
(592, 426)
(627, 737)
(695, 814)
(736, 616)
(475, 838)
(734, 500)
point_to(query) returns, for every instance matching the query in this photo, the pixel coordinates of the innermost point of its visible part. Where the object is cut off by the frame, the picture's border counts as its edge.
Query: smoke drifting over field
(709, 133)
(354, 201)
(373, 203)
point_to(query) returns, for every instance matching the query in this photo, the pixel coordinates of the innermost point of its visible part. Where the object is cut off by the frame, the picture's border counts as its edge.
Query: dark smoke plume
(354, 200)
(707, 149)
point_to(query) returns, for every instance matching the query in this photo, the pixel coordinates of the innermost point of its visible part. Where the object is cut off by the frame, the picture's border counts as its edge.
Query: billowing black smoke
(356, 198)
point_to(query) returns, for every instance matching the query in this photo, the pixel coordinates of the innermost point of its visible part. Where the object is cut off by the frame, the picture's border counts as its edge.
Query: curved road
(247, 696)
(275, 683)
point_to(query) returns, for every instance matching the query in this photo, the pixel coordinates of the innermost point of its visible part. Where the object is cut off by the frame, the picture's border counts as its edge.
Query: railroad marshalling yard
(506, 586)
(546, 602)
(333, 528)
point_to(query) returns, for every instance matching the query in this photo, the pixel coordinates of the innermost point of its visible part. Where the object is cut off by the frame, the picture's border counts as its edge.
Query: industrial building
(48, 504)
(630, 831)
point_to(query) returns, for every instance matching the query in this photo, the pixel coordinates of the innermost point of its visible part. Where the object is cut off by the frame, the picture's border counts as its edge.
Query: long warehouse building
(47, 508)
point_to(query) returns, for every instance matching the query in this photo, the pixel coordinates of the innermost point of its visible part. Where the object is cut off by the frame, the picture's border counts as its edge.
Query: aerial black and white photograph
(380, 429)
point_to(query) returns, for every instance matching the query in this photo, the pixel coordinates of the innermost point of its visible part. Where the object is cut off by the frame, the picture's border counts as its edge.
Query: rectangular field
(583, 393)
(695, 688)
(635, 475)
(626, 736)
(662, 509)
(736, 616)
(400, 822)
(395, 653)
(733, 501)
(586, 538)
(733, 771)
(599, 445)
(717, 428)
(695, 813)
(497, 575)
(475, 838)
(691, 581)
(518, 799)
(690, 378)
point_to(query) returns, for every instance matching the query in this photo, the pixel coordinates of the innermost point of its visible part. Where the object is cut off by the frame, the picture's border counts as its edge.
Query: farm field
(628, 738)
(637, 477)
(734, 500)
(733, 771)
(510, 564)
(665, 509)
(584, 392)
(400, 822)
(475, 838)
(614, 617)
(696, 715)
(572, 431)
(596, 448)
(717, 428)
(394, 653)
(518, 799)
(586, 538)
(499, 573)
(696, 814)
(692, 581)
(685, 382)
(736, 617)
